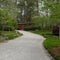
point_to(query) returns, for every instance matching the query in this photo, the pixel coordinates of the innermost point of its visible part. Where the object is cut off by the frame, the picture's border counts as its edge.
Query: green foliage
(7, 22)
(47, 22)
(43, 22)
(32, 27)
(54, 9)
(51, 42)
(8, 13)
(12, 24)
(28, 6)
(10, 34)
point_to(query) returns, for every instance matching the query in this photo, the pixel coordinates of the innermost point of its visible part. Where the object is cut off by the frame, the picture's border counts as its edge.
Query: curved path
(27, 47)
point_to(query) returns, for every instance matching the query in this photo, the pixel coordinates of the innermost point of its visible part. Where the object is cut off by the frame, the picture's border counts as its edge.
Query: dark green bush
(32, 27)
(10, 25)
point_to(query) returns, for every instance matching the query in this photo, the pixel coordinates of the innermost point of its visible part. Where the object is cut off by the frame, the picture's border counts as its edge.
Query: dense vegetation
(8, 23)
(42, 19)
(49, 16)
(7, 15)
(26, 10)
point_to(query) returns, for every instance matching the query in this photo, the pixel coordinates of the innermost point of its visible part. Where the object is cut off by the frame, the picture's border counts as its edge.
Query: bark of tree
(59, 32)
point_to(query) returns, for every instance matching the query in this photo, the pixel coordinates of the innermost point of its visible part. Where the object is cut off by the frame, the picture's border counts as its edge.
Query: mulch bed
(55, 51)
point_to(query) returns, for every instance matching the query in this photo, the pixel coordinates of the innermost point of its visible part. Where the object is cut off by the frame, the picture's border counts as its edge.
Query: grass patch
(52, 43)
(9, 34)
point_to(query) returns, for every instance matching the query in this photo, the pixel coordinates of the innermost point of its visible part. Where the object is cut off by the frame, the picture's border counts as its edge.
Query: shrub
(55, 30)
(32, 27)
(10, 25)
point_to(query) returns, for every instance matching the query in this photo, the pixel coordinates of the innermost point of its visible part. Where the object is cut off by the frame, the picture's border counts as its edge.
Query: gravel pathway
(27, 47)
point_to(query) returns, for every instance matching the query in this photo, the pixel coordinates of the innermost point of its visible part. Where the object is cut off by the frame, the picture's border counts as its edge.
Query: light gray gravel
(27, 47)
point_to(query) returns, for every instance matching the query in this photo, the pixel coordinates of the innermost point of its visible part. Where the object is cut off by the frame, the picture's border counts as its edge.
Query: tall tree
(54, 6)
(26, 9)
(8, 11)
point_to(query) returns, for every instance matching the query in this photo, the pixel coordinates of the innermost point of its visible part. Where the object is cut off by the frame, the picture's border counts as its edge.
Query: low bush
(32, 27)
(10, 35)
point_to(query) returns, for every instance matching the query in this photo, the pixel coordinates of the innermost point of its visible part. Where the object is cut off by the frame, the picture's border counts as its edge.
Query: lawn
(52, 43)
(9, 34)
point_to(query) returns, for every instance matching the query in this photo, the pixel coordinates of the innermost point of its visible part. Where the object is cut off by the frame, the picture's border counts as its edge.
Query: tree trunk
(59, 32)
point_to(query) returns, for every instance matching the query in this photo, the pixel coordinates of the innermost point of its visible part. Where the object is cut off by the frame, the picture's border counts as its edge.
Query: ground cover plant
(9, 35)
